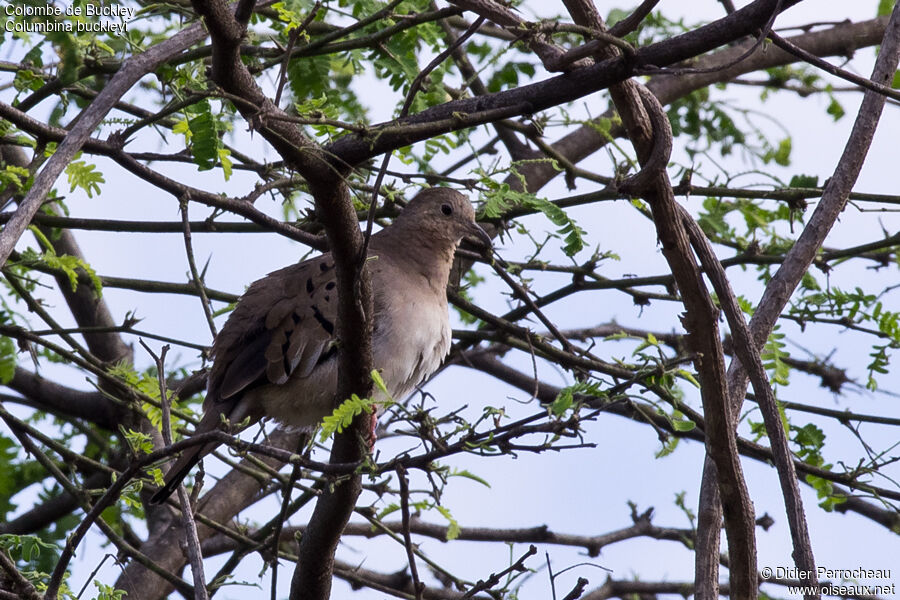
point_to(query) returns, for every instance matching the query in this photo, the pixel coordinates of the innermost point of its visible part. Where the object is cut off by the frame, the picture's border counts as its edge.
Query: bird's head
(443, 214)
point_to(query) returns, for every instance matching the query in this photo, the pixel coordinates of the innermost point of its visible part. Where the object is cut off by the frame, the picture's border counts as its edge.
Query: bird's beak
(479, 236)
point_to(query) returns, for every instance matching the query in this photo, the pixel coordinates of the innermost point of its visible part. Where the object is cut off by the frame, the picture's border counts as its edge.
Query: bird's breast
(410, 340)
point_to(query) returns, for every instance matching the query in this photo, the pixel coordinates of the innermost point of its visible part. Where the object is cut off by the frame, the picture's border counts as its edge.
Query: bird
(277, 354)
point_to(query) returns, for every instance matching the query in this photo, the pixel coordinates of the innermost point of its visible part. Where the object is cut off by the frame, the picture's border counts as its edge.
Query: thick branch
(748, 355)
(530, 99)
(801, 255)
(842, 39)
(312, 578)
(651, 136)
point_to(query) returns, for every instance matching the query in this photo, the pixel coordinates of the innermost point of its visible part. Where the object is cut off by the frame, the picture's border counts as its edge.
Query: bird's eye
(447, 209)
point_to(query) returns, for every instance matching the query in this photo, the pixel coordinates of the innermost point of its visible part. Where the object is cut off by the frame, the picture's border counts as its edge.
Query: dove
(277, 355)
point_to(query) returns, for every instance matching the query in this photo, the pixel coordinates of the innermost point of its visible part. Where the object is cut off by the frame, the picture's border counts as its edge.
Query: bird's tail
(179, 471)
(188, 459)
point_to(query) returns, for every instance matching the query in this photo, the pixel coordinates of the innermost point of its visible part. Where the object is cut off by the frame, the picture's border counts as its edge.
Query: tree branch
(353, 149)
(802, 253)
(131, 71)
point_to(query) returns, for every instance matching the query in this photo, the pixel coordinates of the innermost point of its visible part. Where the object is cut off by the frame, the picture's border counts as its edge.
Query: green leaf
(573, 234)
(84, 176)
(182, 128)
(379, 382)
(17, 177)
(879, 364)
(507, 76)
(204, 136)
(343, 415)
(810, 436)
(566, 397)
(683, 425)
(470, 475)
(108, 592)
(804, 181)
(772, 355)
(387, 510)
(7, 359)
(68, 264)
(685, 374)
(27, 80)
(292, 18)
(225, 161)
(24, 547)
(825, 492)
(453, 524)
(563, 402)
(668, 447)
(138, 441)
(835, 109)
(501, 198)
(782, 154)
(322, 87)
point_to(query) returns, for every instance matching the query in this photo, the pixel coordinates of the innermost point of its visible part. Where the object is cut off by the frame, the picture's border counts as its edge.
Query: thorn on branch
(495, 578)
(765, 521)
(578, 590)
(642, 518)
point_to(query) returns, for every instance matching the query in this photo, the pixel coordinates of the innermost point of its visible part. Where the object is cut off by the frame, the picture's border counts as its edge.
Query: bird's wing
(283, 326)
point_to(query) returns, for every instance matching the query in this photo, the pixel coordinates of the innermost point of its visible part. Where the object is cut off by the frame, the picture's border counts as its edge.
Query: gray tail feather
(179, 471)
(188, 459)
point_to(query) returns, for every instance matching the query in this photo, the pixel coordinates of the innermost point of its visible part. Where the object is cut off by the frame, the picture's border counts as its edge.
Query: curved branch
(842, 39)
(802, 253)
(313, 575)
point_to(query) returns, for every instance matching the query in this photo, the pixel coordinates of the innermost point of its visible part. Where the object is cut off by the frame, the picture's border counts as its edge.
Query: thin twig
(292, 40)
(523, 295)
(418, 586)
(404, 111)
(494, 578)
(863, 82)
(632, 21)
(188, 523)
(696, 71)
(195, 274)
(282, 517)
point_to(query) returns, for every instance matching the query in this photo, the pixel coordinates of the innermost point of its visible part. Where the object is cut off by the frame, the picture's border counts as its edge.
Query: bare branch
(801, 255)
(131, 71)
(187, 518)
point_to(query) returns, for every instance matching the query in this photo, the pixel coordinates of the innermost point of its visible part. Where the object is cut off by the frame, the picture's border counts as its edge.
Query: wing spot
(325, 323)
(309, 286)
(330, 285)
